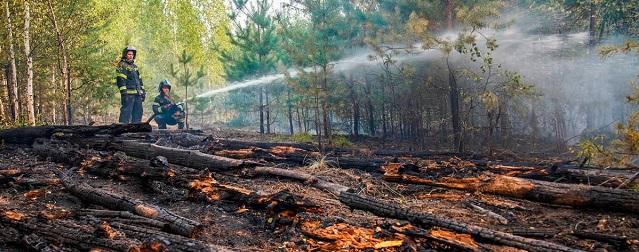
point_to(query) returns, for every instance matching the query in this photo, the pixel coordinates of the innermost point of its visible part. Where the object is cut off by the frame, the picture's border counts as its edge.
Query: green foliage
(341, 141)
(302, 138)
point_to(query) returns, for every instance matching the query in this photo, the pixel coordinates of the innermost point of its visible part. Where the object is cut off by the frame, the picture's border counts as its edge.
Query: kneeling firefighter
(167, 111)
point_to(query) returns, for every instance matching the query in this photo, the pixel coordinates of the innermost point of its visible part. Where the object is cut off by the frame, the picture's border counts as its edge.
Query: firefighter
(130, 86)
(167, 111)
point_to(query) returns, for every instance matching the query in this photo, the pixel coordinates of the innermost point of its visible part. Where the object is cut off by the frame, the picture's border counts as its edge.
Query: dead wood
(166, 241)
(303, 157)
(176, 223)
(629, 181)
(33, 242)
(122, 216)
(462, 242)
(423, 219)
(383, 209)
(26, 135)
(593, 176)
(541, 191)
(333, 188)
(231, 144)
(189, 158)
(617, 240)
(80, 236)
(534, 232)
(492, 214)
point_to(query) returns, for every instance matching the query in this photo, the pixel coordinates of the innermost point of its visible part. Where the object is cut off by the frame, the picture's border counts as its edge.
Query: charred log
(389, 210)
(188, 158)
(541, 191)
(176, 223)
(27, 135)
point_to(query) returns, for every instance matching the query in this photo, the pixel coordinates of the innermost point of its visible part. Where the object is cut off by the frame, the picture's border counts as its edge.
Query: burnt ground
(330, 225)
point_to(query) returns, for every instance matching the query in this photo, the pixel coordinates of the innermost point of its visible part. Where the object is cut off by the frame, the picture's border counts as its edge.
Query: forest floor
(34, 202)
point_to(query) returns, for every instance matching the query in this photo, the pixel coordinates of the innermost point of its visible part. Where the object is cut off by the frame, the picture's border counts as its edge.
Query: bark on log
(176, 223)
(167, 241)
(302, 157)
(78, 235)
(423, 219)
(541, 191)
(189, 158)
(617, 240)
(121, 216)
(389, 210)
(333, 188)
(593, 176)
(231, 144)
(27, 135)
(33, 242)
(226, 144)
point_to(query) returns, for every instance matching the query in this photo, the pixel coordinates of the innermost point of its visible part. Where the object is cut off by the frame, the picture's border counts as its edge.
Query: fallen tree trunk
(175, 223)
(79, 236)
(594, 176)
(302, 157)
(541, 191)
(189, 158)
(27, 135)
(159, 240)
(389, 210)
(163, 179)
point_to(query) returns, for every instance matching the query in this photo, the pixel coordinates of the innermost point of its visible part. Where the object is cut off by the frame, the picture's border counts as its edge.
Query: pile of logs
(183, 166)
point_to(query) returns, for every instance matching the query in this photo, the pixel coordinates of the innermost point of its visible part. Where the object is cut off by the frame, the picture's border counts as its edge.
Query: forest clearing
(319, 125)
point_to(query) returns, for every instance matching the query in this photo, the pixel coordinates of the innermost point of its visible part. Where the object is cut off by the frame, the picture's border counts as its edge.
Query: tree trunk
(541, 191)
(27, 135)
(454, 109)
(450, 15)
(3, 86)
(12, 74)
(27, 51)
(63, 64)
(592, 30)
(383, 209)
(261, 110)
(325, 108)
(188, 158)
(268, 113)
(355, 106)
(290, 112)
(369, 104)
(176, 223)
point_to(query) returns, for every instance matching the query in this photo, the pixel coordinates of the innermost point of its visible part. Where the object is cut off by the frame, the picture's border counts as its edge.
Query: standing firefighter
(165, 108)
(131, 87)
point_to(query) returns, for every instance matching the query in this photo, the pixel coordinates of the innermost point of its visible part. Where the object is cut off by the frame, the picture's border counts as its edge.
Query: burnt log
(33, 242)
(189, 158)
(302, 157)
(167, 242)
(26, 135)
(541, 191)
(80, 236)
(383, 209)
(176, 223)
(593, 176)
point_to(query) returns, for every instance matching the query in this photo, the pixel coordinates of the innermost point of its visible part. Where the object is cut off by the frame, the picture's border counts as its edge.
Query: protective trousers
(131, 109)
(163, 119)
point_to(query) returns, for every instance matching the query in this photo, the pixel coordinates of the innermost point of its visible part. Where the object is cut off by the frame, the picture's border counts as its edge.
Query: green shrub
(341, 141)
(302, 138)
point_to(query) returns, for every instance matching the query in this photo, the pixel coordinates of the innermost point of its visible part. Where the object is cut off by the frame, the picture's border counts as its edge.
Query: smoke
(576, 84)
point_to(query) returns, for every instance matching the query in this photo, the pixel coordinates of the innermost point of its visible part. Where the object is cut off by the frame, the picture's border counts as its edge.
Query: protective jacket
(163, 104)
(128, 78)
